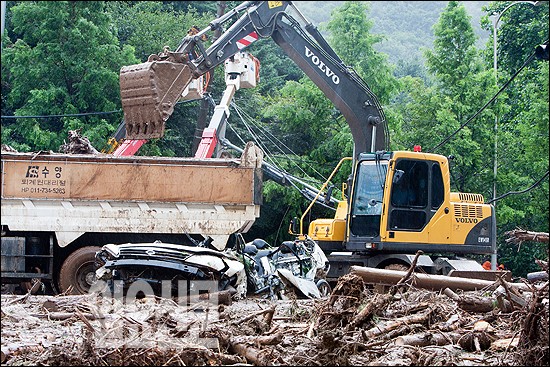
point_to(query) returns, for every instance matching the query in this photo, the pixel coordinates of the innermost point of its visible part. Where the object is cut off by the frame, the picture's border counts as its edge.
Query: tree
(67, 63)
(435, 113)
(523, 113)
(151, 25)
(351, 37)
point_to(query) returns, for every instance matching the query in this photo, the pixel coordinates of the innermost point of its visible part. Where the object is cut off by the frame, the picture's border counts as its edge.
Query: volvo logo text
(321, 65)
(466, 220)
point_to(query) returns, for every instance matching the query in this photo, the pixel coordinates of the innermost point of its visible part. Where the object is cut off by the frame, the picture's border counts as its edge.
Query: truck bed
(71, 194)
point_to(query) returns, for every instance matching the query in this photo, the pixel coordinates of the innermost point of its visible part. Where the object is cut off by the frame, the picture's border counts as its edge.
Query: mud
(411, 327)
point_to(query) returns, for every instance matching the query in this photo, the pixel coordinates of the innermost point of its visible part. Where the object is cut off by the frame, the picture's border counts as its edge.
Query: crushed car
(253, 268)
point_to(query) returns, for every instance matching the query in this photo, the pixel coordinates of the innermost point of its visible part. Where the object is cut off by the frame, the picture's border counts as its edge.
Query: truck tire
(77, 273)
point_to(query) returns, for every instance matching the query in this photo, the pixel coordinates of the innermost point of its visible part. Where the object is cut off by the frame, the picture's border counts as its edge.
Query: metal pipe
(321, 190)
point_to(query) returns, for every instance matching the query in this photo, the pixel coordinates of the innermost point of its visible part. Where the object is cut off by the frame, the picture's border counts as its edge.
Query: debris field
(357, 324)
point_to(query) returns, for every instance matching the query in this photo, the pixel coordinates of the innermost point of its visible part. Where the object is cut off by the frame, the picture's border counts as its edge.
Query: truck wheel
(77, 273)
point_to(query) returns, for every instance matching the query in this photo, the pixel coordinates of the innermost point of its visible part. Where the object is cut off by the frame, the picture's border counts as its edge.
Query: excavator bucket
(149, 92)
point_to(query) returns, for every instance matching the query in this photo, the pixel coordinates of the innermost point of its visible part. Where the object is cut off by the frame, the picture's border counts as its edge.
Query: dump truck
(59, 209)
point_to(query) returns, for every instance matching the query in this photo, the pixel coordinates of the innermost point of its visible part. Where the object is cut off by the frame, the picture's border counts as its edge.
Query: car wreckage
(253, 268)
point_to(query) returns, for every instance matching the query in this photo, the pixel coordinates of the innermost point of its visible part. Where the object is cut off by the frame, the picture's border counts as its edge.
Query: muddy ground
(355, 325)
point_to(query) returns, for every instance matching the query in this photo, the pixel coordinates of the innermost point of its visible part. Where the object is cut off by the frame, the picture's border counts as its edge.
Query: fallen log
(472, 303)
(427, 281)
(537, 276)
(252, 355)
(427, 338)
(504, 344)
(382, 328)
(520, 235)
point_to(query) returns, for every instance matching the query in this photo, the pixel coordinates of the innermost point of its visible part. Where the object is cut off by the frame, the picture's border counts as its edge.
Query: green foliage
(352, 40)
(64, 58)
(275, 67)
(454, 52)
(302, 113)
(151, 25)
(66, 63)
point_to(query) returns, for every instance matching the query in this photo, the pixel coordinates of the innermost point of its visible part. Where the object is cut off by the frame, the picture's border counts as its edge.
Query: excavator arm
(149, 90)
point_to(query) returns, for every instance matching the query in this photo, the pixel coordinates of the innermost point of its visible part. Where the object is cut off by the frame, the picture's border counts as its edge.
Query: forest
(60, 72)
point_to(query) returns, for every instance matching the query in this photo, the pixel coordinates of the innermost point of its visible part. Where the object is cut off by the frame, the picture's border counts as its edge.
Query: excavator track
(149, 92)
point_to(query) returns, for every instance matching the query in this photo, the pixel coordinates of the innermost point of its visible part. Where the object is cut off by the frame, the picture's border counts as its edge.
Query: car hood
(213, 259)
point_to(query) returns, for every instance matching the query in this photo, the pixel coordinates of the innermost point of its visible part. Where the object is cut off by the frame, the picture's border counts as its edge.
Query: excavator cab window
(367, 202)
(412, 188)
(438, 188)
(416, 195)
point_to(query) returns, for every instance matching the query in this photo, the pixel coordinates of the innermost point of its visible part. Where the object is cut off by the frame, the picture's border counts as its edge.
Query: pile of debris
(355, 325)
(77, 144)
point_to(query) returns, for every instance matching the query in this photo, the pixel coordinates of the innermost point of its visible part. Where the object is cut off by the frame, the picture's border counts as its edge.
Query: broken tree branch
(384, 327)
(381, 301)
(519, 235)
(471, 303)
(268, 311)
(427, 338)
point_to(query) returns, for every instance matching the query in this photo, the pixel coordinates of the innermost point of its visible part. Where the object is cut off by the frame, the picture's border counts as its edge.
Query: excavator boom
(150, 90)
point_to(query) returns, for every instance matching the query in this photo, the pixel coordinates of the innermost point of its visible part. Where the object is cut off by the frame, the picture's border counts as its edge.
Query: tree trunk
(427, 281)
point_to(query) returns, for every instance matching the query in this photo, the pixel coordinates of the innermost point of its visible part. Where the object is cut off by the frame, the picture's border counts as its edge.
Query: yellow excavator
(393, 204)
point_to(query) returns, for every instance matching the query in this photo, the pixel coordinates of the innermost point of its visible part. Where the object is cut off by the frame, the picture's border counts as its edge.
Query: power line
(520, 192)
(486, 104)
(80, 114)
(64, 115)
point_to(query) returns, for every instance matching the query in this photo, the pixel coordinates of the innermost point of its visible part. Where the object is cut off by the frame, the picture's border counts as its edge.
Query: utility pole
(496, 19)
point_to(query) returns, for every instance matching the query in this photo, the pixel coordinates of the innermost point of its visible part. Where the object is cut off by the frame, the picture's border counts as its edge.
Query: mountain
(405, 25)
